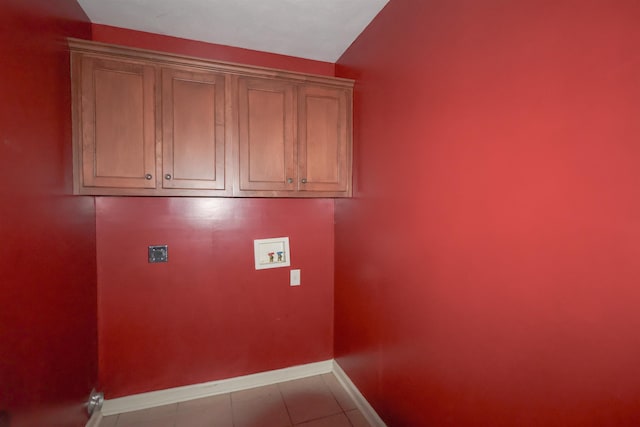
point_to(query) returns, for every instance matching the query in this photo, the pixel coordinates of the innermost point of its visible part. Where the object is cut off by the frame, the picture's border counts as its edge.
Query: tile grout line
(344, 412)
(284, 402)
(233, 418)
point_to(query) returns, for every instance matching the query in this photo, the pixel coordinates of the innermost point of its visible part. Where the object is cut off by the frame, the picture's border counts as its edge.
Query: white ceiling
(313, 29)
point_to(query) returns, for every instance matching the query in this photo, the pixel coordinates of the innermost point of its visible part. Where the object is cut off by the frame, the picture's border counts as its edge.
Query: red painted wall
(208, 314)
(487, 269)
(47, 257)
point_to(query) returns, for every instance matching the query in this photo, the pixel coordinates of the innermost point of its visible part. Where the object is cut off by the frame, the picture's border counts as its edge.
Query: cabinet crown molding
(172, 59)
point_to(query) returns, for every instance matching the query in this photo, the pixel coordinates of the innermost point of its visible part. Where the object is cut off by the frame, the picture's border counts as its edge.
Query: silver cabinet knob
(290, 180)
(148, 176)
(167, 176)
(304, 180)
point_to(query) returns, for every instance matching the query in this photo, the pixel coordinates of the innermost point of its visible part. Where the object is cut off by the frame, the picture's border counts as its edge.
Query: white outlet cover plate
(294, 278)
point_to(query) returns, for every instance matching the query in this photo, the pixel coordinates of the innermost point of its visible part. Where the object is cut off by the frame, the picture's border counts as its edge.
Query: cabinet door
(117, 129)
(266, 119)
(193, 129)
(324, 139)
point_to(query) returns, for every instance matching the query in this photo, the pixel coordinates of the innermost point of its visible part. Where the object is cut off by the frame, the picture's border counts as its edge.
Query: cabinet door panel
(118, 138)
(266, 135)
(323, 139)
(193, 129)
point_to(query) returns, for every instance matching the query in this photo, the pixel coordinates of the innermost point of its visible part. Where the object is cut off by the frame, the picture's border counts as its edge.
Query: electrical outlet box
(158, 253)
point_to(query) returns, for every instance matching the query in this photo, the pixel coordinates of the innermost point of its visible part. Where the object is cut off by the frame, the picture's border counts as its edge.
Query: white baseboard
(367, 410)
(180, 394)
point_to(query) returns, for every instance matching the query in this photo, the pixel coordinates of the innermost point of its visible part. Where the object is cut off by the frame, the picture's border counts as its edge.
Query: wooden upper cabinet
(324, 145)
(116, 147)
(156, 124)
(266, 143)
(294, 139)
(193, 129)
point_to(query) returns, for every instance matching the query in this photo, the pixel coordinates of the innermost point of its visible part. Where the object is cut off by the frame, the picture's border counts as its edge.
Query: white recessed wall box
(272, 253)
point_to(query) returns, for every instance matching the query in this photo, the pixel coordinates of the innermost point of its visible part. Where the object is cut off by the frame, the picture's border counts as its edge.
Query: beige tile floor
(318, 401)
